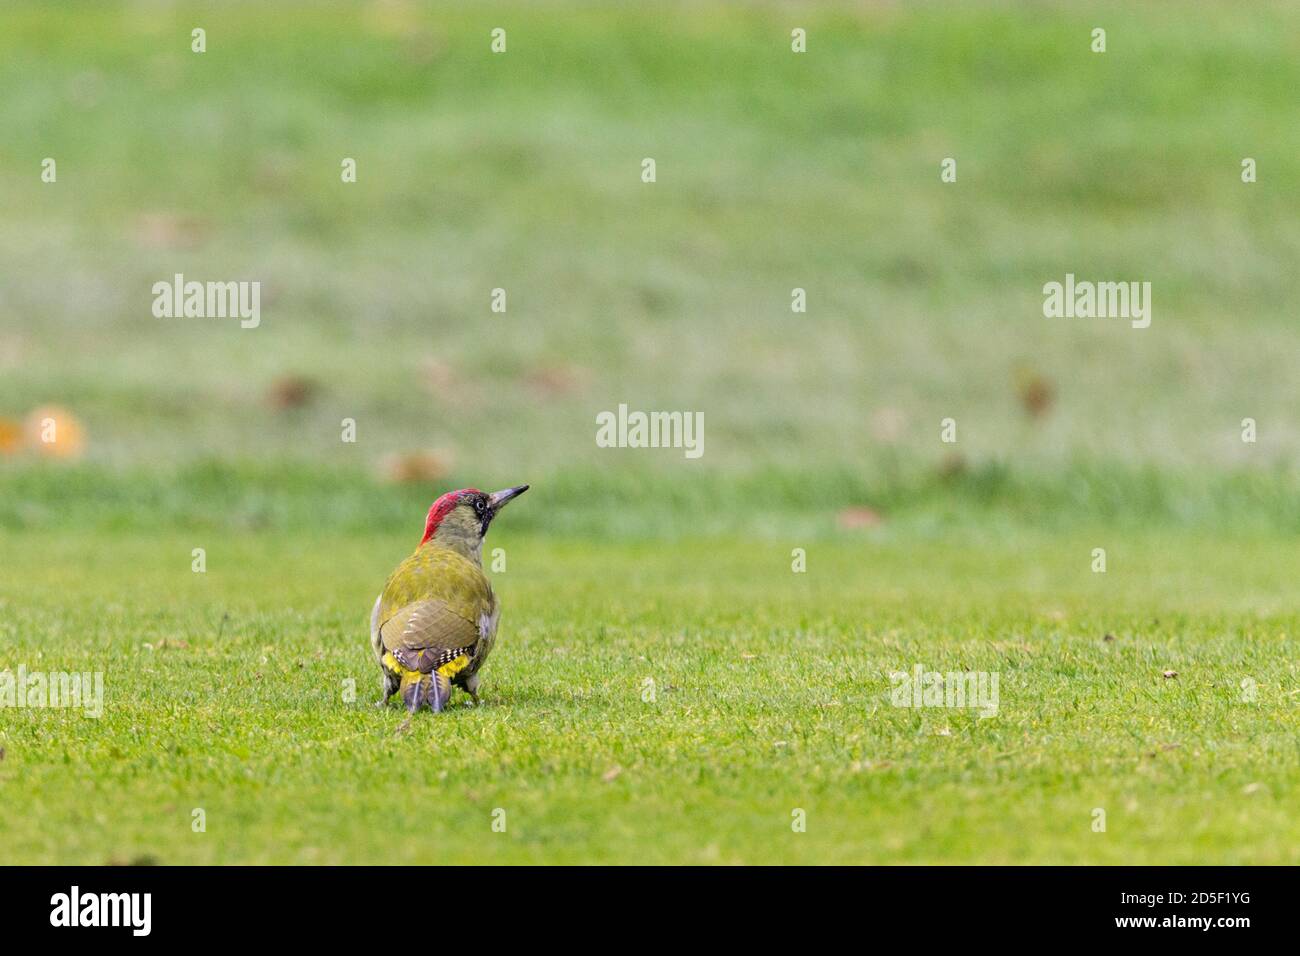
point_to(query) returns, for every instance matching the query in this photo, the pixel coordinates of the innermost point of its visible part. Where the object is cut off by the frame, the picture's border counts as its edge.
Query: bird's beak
(501, 498)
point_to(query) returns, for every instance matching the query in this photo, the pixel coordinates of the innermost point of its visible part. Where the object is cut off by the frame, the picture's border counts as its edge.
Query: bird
(435, 621)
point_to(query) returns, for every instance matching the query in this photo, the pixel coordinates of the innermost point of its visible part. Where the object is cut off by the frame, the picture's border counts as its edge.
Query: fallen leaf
(1170, 674)
(55, 432)
(952, 465)
(291, 391)
(11, 436)
(440, 378)
(1036, 393)
(555, 381)
(169, 230)
(858, 516)
(421, 467)
(611, 774)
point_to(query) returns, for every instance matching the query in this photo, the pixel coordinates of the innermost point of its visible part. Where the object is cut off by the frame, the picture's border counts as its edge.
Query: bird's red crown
(443, 507)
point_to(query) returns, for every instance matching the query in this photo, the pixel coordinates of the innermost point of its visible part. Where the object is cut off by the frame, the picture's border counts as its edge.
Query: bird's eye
(479, 505)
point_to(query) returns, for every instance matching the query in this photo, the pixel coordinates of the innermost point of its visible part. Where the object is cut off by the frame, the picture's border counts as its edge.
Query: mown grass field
(225, 690)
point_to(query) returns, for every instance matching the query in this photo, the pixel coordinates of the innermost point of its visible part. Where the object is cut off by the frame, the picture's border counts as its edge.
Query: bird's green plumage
(435, 598)
(434, 623)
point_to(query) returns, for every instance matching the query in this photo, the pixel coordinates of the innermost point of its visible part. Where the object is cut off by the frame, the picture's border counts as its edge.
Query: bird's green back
(436, 573)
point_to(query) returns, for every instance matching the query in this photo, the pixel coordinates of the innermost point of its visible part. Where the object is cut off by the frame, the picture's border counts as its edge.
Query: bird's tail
(438, 692)
(412, 689)
(419, 689)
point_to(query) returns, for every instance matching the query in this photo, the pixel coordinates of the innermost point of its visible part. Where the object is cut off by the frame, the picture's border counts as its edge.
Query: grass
(775, 171)
(782, 503)
(224, 691)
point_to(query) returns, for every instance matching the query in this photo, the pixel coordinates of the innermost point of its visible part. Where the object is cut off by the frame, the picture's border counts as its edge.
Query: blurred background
(775, 170)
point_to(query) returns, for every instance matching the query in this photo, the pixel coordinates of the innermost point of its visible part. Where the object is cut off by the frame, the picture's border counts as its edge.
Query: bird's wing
(427, 634)
(431, 608)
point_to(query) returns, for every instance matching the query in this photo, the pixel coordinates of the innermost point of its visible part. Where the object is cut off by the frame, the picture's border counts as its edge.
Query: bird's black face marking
(483, 509)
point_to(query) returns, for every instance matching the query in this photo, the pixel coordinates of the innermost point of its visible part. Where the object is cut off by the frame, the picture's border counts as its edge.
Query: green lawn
(775, 171)
(224, 691)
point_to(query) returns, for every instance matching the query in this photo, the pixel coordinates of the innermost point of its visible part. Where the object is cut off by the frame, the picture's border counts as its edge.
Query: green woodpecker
(434, 623)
